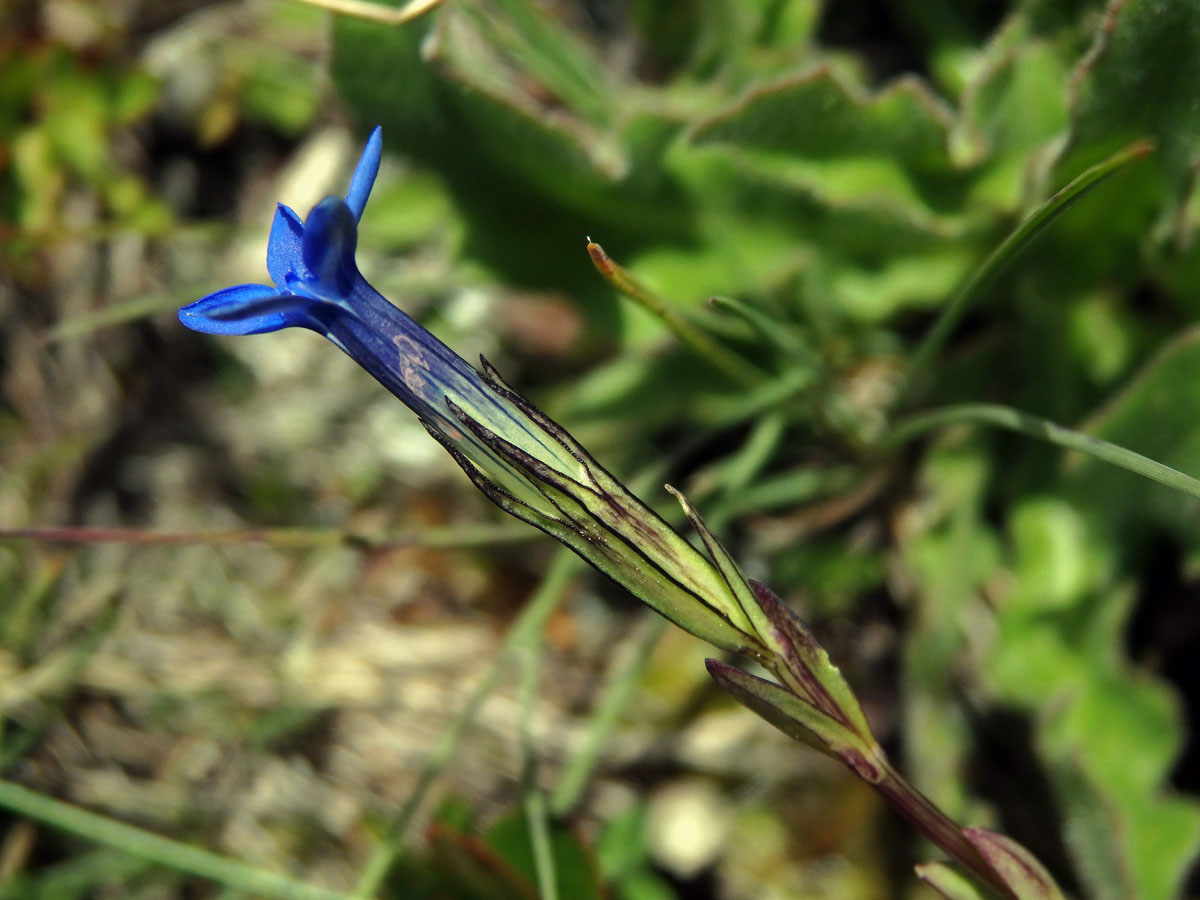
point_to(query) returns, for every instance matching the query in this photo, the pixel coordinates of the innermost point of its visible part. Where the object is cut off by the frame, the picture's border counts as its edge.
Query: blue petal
(364, 174)
(246, 309)
(284, 248)
(330, 237)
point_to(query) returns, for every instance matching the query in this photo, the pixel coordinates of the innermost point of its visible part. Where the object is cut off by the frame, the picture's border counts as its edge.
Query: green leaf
(1018, 240)
(1019, 869)
(950, 882)
(621, 847)
(1008, 104)
(475, 870)
(459, 92)
(1052, 553)
(824, 146)
(1138, 81)
(1109, 735)
(820, 115)
(280, 89)
(1009, 116)
(910, 281)
(950, 553)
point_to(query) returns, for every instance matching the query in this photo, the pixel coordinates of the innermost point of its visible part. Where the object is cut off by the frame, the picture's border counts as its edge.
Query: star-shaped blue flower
(317, 286)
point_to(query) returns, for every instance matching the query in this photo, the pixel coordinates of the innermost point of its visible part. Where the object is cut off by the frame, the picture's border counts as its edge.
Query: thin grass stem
(164, 851)
(536, 820)
(530, 622)
(1042, 429)
(375, 12)
(447, 538)
(1000, 258)
(721, 359)
(616, 695)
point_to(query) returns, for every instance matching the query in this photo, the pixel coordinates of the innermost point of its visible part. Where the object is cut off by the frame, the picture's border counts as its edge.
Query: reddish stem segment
(939, 828)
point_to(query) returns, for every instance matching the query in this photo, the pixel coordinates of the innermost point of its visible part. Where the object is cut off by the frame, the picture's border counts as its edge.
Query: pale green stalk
(723, 360)
(445, 538)
(536, 819)
(614, 697)
(529, 623)
(164, 851)
(1043, 429)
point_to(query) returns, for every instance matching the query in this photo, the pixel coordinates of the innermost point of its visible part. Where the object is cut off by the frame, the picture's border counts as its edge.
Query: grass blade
(721, 359)
(1037, 222)
(1042, 429)
(166, 852)
(623, 682)
(528, 624)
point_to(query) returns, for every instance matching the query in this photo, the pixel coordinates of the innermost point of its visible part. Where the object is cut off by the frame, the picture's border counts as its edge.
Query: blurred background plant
(293, 635)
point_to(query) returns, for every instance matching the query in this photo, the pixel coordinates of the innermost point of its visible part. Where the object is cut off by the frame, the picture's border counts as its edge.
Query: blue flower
(317, 286)
(522, 460)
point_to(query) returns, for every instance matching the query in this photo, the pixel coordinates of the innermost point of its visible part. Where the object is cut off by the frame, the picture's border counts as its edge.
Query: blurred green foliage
(57, 116)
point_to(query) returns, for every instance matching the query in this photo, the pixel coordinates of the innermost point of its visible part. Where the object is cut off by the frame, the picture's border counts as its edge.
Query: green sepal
(615, 558)
(808, 662)
(734, 580)
(1016, 866)
(611, 503)
(797, 719)
(950, 882)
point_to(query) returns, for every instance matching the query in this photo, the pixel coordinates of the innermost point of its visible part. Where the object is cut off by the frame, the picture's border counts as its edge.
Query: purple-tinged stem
(939, 828)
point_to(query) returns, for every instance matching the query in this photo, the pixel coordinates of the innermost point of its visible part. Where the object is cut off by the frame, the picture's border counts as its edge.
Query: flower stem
(615, 695)
(529, 654)
(935, 825)
(448, 538)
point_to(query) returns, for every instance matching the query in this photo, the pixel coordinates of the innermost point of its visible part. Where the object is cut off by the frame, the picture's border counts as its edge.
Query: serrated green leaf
(819, 115)
(1138, 81)
(912, 281)
(460, 95)
(1009, 105)
(1009, 115)
(1109, 735)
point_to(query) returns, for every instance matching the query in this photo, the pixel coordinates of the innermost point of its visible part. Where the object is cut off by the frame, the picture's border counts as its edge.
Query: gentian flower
(530, 467)
(317, 285)
(513, 452)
